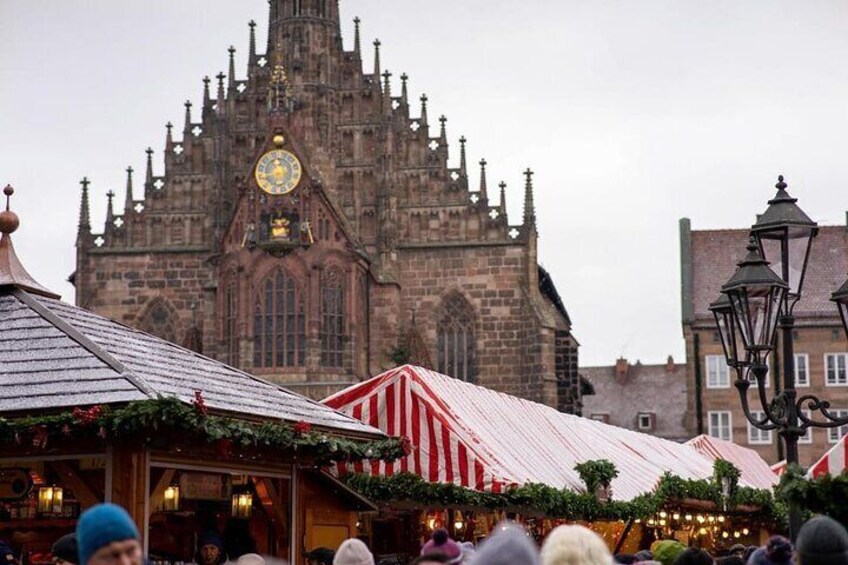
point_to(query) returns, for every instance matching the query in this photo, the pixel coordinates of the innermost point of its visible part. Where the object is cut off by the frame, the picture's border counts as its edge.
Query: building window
(645, 421)
(159, 320)
(332, 320)
(455, 341)
(835, 434)
(802, 373)
(718, 373)
(808, 432)
(601, 418)
(757, 436)
(230, 329)
(835, 367)
(720, 425)
(279, 323)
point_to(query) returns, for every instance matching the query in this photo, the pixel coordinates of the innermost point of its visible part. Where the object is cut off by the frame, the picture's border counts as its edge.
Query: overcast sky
(632, 114)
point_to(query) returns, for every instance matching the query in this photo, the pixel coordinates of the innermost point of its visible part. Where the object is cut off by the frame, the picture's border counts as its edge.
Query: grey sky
(632, 114)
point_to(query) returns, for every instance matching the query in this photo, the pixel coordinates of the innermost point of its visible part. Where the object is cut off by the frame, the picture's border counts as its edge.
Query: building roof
(715, 253)
(758, 473)
(478, 438)
(623, 397)
(548, 289)
(834, 462)
(54, 355)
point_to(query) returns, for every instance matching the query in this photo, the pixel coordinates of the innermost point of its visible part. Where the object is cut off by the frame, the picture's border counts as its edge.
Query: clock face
(278, 172)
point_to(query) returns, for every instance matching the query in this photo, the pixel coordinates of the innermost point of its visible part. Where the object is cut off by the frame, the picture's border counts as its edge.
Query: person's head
(65, 551)
(320, 556)
(507, 545)
(731, 560)
(353, 552)
(440, 542)
(575, 545)
(749, 551)
(625, 558)
(736, 549)
(210, 549)
(666, 551)
(694, 556)
(106, 535)
(250, 559)
(644, 555)
(822, 541)
(431, 559)
(7, 556)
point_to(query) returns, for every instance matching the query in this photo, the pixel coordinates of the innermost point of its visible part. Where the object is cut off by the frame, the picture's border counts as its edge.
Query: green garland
(558, 503)
(144, 418)
(827, 494)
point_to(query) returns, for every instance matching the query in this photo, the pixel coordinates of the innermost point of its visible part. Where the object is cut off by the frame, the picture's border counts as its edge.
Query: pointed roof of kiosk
(56, 355)
(834, 462)
(486, 440)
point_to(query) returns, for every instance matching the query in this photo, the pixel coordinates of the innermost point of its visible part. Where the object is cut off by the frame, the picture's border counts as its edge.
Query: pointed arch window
(455, 339)
(279, 323)
(332, 320)
(159, 320)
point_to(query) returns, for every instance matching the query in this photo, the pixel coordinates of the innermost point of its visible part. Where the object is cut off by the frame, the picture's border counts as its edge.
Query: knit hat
(65, 548)
(694, 556)
(353, 552)
(822, 541)
(323, 555)
(508, 545)
(644, 555)
(666, 551)
(440, 542)
(101, 525)
(210, 538)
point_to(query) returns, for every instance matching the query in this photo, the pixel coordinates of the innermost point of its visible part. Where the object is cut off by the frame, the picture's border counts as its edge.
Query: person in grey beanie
(822, 541)
(509, 545)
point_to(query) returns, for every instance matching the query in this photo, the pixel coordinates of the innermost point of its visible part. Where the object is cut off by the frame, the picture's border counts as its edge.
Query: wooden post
(129, 481)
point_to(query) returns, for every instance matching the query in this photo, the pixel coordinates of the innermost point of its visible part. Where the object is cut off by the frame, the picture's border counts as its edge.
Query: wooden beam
(70, 477)
(272, 502)
(129, 481)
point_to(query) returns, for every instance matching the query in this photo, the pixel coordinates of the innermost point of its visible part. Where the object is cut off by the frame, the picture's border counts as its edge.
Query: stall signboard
(15, 484)
(206, 486)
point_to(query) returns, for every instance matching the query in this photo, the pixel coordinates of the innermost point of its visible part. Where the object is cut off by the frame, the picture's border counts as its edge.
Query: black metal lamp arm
(814, 404)
(767, 422)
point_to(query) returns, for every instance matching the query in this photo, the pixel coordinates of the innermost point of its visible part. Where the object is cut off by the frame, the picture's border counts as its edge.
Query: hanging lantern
(50, 500)
(171, 499)
(242, 505)
(458, 522)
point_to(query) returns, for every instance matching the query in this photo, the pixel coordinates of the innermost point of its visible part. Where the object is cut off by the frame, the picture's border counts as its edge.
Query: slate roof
(55, 355)
(716, 252)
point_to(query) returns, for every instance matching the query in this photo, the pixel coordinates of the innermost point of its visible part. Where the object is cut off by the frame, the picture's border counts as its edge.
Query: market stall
(485, 444)
(92, 410)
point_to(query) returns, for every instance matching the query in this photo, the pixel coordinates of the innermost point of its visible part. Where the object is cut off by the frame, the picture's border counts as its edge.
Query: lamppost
(753, 304)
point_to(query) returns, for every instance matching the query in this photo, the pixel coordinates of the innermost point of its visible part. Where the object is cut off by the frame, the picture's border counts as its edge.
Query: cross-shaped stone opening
(99, 241)
(415, 126)
(139, 207)
(196, 131)
(454, 175)
(178, 149)
(514, 233)
(395, 104)
(158, 184)
(262, 61)
(475, 198)
(434, 144)
(215, 107)
(241, 87)
(119, 221)
(493, 213)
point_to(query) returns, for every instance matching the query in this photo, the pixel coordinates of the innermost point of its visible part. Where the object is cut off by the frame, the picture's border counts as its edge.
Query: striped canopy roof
(831, 463)
(481, 439)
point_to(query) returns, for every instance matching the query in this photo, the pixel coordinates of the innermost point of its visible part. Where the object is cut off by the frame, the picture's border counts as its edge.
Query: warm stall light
(663, 522)
(431, 523)
(688, 517)
(242, 505)
(50, 500)
(702, 531)
(745, 531)
(663, 514)
(725, 535)
(675, 516)
(711, 519)
(736, 535)
(701, 519)
(721, 519)
(637, 521)
(652, 522)
(171, 499)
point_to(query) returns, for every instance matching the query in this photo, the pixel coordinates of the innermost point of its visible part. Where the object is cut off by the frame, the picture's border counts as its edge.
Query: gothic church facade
(308, 228)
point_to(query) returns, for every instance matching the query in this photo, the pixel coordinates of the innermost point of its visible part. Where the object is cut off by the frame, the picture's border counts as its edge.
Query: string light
(745, 531)
(688, 517)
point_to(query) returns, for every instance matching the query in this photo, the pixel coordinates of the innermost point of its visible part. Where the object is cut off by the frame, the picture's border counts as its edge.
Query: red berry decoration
(302, 428)
(200, 403)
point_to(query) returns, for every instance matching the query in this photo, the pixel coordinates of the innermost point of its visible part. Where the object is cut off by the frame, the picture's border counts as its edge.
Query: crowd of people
(106, 535)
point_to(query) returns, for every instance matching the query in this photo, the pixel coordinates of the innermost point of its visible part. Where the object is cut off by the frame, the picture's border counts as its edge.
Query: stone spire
(462, 169)
(251, 56)
(187, 126)
(423, 109)
(483, 190)
(387, 92)
(529, 208)
(403, 93)
(148, 175)
(443, 137)
(377, 60)
(110, 211)
(169, 138)
(84, 226)
(222, 99)
(232, 75)
(12, 272)
(357, 48)
(128, 203)
(207, 100)
(502, 205)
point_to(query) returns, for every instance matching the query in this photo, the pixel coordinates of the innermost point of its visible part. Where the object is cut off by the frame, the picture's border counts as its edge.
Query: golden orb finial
(279, 140)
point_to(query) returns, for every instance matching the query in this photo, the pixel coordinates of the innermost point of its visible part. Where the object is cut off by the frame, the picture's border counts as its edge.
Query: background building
(645, 398)
(708, 259)
(368, 250)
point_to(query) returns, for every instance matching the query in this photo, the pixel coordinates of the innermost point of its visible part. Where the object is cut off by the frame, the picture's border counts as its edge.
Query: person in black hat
(320, 556)
(210, 549)
(65, 550)
(7, 556)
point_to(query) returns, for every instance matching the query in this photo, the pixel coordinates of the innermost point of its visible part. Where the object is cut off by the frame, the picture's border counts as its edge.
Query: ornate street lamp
(760, 301)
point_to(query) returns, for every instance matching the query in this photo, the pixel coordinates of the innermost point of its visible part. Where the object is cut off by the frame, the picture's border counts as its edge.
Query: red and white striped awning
(754, 469)
(481, 439)
(833, 462)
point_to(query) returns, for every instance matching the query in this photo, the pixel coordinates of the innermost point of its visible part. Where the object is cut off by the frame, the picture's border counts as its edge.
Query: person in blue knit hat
(106, 535)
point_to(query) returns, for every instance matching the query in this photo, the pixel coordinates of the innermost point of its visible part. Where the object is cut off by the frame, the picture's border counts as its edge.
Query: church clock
(278, 172)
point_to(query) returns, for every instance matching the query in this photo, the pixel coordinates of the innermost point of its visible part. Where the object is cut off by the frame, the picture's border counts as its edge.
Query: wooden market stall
(492, 444)
(92, 410)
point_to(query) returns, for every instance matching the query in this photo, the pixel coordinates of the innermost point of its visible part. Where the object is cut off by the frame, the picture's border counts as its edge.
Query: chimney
(621, 369)
(669, 365)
